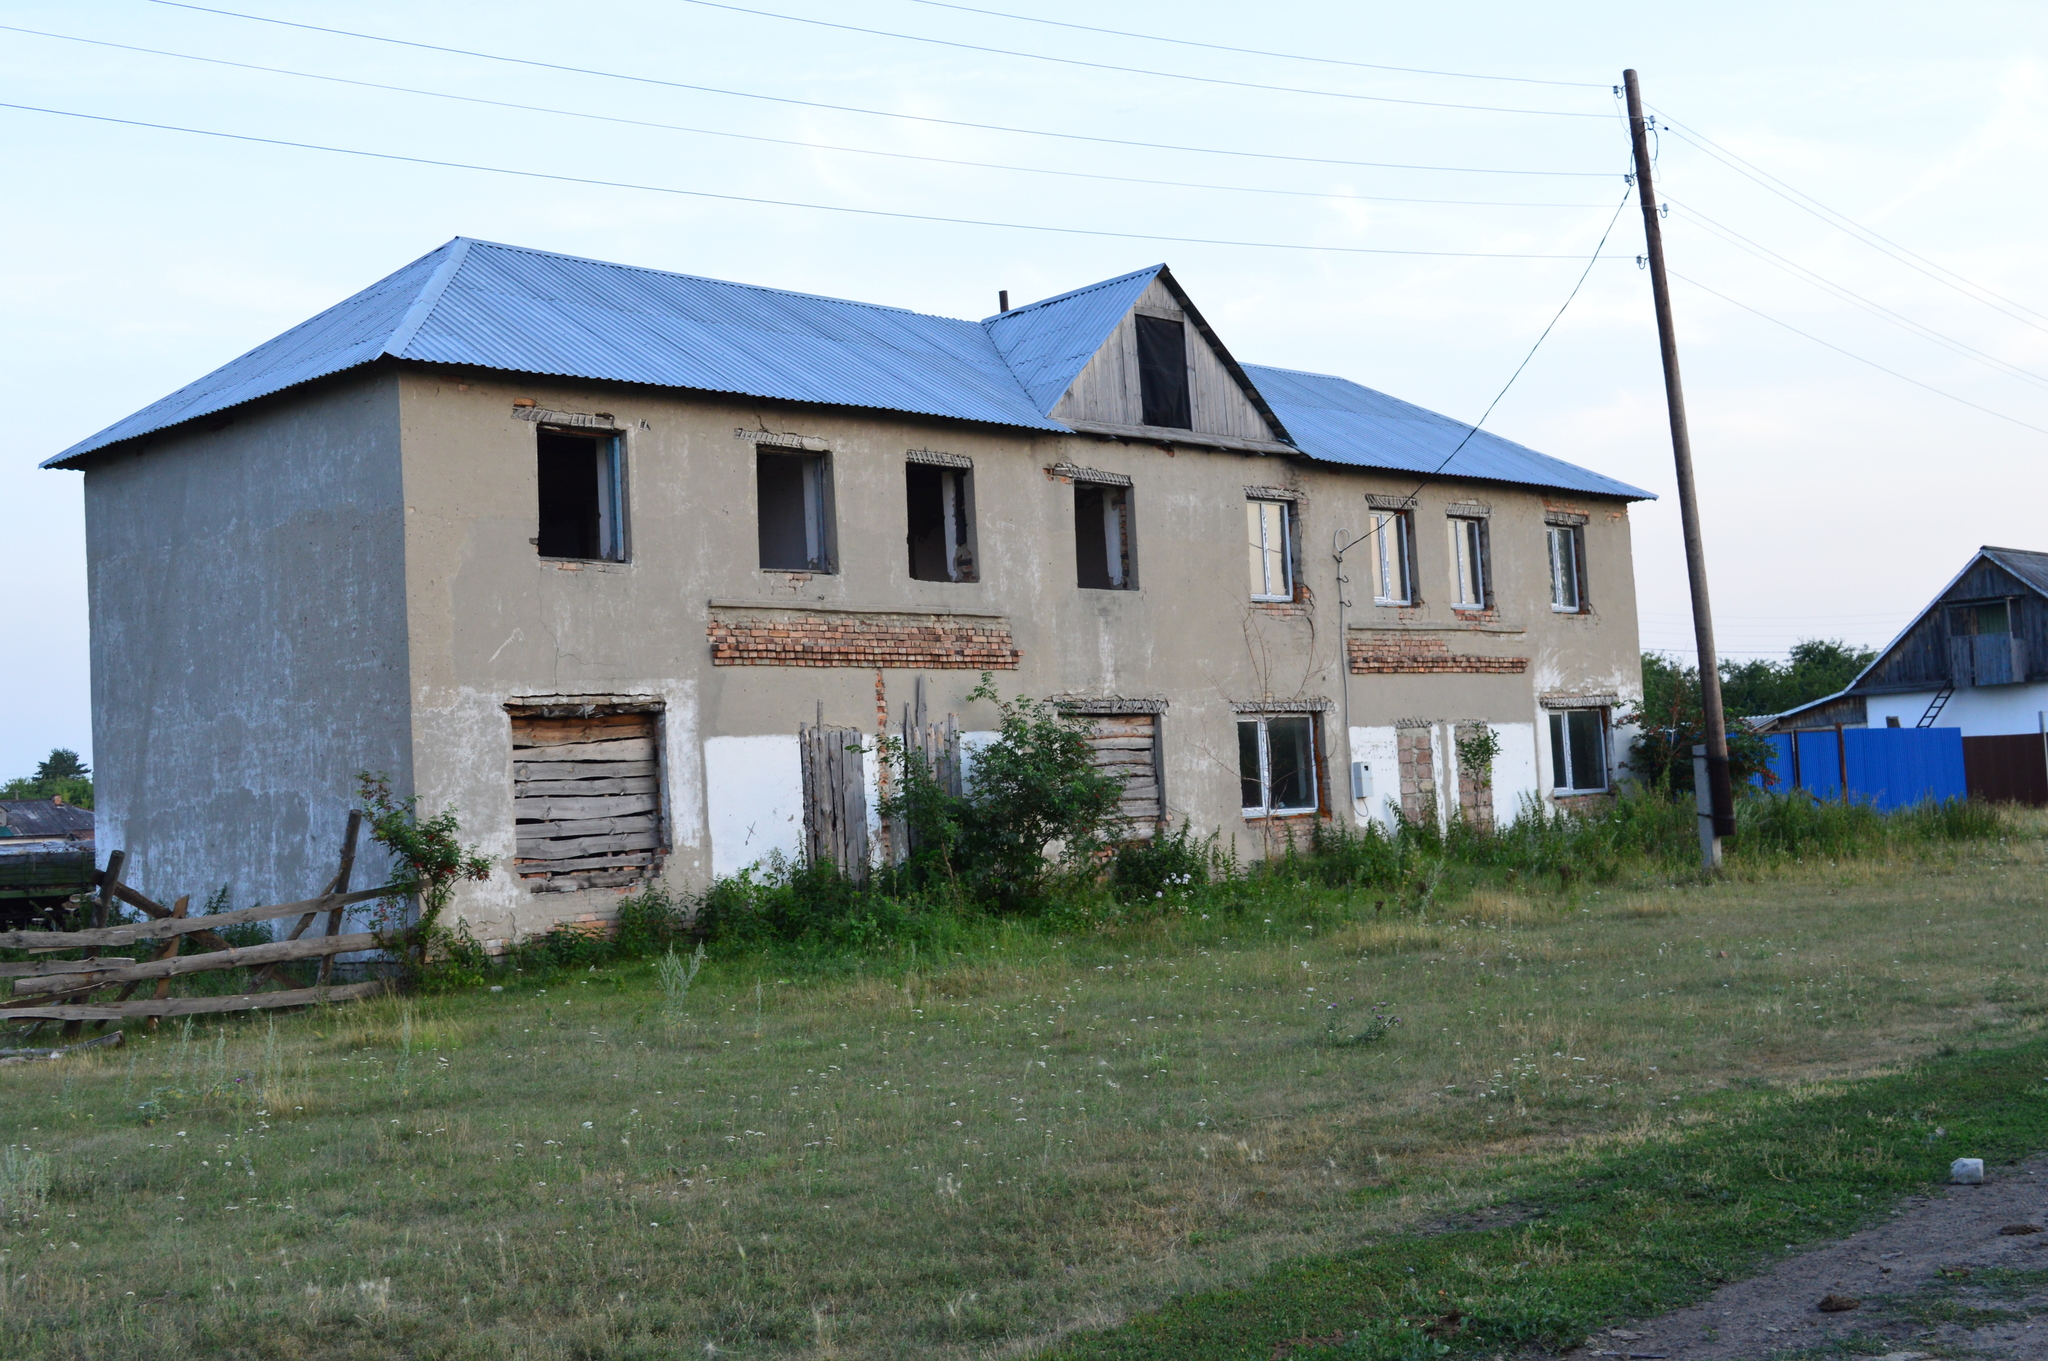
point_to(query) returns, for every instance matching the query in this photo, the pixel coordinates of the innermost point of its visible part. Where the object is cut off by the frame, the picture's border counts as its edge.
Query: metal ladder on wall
(1936, 705)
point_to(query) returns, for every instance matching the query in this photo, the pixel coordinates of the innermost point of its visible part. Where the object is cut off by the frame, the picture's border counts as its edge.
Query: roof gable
(1047, 343)
(1918, 657)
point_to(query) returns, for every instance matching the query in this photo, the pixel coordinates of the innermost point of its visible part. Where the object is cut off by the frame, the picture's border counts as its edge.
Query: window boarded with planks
(1127, 747)
(586, 799)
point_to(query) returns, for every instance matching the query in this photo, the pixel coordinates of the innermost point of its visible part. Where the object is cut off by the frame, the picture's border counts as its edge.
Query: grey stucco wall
(248, 640)
(489, 621)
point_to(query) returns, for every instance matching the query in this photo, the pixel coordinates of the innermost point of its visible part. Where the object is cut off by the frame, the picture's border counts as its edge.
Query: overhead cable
(1473, 429)
(1884, 245)
(537, 64)
(781, 203)
(1258, 51)
(1134, 70)
(773, 141)
(1899, 319)
(1857, 357)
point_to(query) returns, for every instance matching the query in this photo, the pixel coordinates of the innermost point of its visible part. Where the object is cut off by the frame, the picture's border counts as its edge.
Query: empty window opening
(941, 507)
(1102, 536)
(1269, 542)
(1392, 559)
(582, 497)
(1978, 621)
(1470, 588)
(1567, 569)
(795, 493)
(1163, 372)
(586, 801)
(1578, 751)
(1276, 764)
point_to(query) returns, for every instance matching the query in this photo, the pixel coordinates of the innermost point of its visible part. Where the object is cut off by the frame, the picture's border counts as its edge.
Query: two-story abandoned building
(576, 548)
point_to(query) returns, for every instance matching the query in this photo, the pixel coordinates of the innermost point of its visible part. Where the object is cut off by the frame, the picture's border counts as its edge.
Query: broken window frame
(1567, 545)
(1114, 532)
(1393, 557)
(1571, 730)
(1259, 728)
(1165, 394)
(820, 531)
(1471, 570)
(1268, 518)
(957, 549)
(609, 532)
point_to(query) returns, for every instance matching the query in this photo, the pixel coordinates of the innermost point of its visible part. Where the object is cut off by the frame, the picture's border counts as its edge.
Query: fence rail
(60, 989)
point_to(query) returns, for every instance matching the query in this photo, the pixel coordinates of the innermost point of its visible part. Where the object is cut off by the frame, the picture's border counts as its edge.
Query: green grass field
(1161, 1140)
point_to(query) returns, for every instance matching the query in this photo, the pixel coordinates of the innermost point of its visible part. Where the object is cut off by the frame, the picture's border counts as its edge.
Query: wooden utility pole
(1717, 801)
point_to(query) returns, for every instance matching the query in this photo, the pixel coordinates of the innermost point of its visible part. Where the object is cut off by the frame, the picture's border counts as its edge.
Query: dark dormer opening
(1163, 372)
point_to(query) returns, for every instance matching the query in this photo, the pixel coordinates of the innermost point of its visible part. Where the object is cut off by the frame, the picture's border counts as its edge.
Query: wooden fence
(60, 989)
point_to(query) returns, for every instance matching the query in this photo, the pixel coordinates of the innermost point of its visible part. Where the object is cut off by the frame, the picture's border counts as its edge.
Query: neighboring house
(44, 820)
(46, 855)
(1976, 659)
(575, 548)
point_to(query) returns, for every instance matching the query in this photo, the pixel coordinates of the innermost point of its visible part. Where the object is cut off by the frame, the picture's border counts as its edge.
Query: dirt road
(1960, 1273)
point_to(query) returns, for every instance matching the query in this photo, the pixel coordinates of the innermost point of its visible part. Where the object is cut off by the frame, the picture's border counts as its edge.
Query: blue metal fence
(1885, 767)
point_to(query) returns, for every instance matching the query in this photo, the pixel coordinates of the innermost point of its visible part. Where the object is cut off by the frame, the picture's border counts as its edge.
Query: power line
(777, 203)
(1133, 70)
(1473, 429)
(536, 64)
(1259, 52)
(753, 137)
(1857, 357)
(1882, 244)
(1771, 257)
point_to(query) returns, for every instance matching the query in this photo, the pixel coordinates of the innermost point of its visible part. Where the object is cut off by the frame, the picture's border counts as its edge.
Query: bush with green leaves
(428, 860)
(1035, 813)
(1166, 868)
(61, 775)
(812, 906)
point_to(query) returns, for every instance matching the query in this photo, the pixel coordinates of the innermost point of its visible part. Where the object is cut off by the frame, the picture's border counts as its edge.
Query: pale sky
(1837, 499)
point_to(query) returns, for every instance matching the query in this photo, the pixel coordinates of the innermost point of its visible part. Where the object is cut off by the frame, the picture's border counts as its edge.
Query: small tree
(63, 764)
(62, 776)
(1034, 787)
(430, 861)
(1671, 722)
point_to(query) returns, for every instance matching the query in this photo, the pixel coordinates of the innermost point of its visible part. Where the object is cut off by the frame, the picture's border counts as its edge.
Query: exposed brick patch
(1399, 655)
(1586, 805)
(894, 642)
(1282, 609)
(1415, 756)
(1475, 787)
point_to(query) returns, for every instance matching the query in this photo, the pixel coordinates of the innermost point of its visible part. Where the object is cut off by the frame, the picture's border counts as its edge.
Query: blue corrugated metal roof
(1336, 420)
(348, 334)
(1048, 343)
(528, 311)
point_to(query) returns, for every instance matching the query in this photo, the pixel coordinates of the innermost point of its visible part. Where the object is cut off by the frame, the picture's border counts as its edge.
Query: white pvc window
(1392, 574)
(1468, 563)
(1269, 545)
(1567, 562)
(1276, 763)
(1578, 751)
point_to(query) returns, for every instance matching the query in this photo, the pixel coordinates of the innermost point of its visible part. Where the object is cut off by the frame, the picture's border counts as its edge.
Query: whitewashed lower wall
(755, 798)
